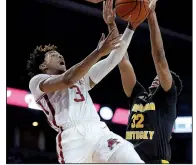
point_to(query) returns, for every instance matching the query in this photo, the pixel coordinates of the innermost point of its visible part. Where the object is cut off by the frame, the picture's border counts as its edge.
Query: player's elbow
(158, 54)
(124, 65)
(160, 59)
(129, 88)
(56, 83)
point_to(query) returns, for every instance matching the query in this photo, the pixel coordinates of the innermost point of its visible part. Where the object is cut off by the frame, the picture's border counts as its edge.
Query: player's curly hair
(37, 57)
(178, 82)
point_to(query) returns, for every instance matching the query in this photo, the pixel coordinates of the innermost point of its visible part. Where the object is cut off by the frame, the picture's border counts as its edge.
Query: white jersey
(64, 106)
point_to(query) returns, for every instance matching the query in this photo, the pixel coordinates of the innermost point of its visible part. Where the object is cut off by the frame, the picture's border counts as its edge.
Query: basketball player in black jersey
(152, 114)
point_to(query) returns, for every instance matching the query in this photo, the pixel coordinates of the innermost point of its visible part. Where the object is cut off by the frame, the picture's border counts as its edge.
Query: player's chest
(76, 92)
(77, 87)
(142, 121)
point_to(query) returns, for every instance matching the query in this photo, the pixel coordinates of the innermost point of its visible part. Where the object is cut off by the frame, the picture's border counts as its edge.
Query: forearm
(126, 71)
(125, 59)
(102, 68)
(128, 76)
(156, 38)
(76, 72)
(113, 26)
(158, 53)
(116, 33)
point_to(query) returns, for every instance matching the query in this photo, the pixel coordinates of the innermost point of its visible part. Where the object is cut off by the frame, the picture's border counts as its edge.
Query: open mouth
(154, 85)
(62, 63)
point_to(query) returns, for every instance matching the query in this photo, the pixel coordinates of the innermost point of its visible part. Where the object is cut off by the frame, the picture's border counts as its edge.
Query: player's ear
(42, 67)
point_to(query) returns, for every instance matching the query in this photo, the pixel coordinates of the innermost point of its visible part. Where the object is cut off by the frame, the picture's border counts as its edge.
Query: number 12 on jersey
(137, 121)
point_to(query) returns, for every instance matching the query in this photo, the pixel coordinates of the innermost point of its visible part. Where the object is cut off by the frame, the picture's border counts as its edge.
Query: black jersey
(151, 121)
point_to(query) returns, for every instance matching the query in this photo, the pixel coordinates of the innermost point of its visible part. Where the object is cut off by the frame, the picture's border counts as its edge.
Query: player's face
(55, 61)
(154, 84)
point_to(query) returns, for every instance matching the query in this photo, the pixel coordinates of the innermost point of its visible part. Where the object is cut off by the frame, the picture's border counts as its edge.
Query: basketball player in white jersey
(63, 96)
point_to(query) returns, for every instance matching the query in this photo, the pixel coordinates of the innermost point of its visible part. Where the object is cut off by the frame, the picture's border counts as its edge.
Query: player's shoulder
(38, 77)
(34, 81)
(137, 92)
(171, 92)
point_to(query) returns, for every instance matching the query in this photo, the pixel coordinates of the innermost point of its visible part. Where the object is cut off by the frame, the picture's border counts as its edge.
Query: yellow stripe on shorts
(164, 162)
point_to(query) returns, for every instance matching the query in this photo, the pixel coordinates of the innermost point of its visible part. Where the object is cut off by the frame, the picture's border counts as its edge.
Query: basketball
(134, 11)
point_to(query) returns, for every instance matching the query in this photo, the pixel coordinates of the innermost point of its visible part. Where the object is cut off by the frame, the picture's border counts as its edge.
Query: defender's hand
(152, 7)
(109, 14)
(105, 46)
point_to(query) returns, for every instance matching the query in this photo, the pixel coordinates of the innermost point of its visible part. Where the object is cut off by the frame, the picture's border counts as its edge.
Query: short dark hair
(177, 81)
(36, 58)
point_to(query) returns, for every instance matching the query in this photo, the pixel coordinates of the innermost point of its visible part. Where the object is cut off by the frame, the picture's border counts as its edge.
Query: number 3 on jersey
(137, 120)
(78, 92)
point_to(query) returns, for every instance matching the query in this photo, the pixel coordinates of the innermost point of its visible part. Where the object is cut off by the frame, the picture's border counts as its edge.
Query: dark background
(75, 27)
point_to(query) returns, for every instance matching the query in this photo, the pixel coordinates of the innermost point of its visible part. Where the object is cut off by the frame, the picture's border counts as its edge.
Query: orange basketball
(137, 9)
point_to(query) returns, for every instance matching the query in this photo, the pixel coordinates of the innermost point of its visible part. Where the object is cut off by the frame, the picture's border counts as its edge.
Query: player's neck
(54, 72)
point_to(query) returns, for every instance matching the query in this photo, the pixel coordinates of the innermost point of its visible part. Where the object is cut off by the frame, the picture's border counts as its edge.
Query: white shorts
(93, 142)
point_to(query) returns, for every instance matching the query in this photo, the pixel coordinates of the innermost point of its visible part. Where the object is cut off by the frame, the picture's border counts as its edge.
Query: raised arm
(127, 73)
(158, 52)
(76, 72)
(128, 77)
(103, 67)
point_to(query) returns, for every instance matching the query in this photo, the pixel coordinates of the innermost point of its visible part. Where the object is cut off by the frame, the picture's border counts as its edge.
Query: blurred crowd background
(75, 26)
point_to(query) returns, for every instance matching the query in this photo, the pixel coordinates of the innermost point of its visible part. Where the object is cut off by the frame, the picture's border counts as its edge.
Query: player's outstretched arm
(127, 73)
(76, 72)
(102, 68)
(158, 52)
